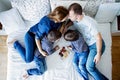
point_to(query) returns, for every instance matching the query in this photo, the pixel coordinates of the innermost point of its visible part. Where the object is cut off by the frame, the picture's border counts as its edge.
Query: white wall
(4, 5)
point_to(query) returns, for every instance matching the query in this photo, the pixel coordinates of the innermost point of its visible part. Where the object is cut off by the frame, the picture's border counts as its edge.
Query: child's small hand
(56, 47)
(69, 47)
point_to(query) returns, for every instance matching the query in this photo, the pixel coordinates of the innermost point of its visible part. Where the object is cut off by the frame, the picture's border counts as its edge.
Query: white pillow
(65, 3)
(107, 12)
(32, 10)
(11, 20)
(91, 7)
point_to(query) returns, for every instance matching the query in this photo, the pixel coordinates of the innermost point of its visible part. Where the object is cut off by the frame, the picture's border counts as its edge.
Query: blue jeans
(90, 65)
(26, 53)
(79, 62)
(41, 67)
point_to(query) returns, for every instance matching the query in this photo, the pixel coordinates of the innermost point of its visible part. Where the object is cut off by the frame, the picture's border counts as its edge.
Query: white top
(87, 27)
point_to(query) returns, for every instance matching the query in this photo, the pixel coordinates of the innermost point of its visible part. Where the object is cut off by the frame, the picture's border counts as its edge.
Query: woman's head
(59, 14)
(71, 35)
(53, 35)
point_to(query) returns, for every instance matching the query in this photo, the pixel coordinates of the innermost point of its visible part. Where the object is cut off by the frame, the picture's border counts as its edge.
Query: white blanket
(58, 68)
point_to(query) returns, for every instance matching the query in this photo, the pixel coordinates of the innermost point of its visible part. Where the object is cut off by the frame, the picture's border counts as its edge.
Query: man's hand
(97, 58)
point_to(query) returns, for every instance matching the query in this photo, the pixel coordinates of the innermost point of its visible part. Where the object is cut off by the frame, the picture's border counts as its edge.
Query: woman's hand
(44, 53)
(70, 23)
(97, 58)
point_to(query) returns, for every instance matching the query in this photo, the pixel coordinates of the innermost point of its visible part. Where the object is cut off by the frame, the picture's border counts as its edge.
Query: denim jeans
(79, 62)
(90, 65)
(26, 53)
(40, 67)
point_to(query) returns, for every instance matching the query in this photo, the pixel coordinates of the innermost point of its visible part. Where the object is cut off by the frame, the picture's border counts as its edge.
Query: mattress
(58, 68)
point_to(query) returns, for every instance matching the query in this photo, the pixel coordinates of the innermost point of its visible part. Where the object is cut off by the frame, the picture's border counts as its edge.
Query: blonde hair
(59, 13)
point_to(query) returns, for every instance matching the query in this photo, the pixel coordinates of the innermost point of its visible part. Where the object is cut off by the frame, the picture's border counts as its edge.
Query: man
(87, 26)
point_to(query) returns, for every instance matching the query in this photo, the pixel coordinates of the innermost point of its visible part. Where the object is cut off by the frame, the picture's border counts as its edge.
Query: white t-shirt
(87, 27)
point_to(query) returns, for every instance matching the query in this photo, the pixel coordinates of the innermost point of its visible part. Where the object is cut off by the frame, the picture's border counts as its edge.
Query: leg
(90, 65)
(75, 61)
(26, 53)
(40, 67)
(82, 63)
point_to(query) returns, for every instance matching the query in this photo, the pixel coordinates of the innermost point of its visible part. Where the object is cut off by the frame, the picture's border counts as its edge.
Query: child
(80, 48)
(47, 46)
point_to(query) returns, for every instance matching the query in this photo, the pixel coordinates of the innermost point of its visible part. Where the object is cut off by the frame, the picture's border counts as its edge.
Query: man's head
(75, 10)
(53, 35)
(71, 35)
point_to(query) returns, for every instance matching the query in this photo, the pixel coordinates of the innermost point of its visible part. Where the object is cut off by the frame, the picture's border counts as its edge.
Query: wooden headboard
(0, 26)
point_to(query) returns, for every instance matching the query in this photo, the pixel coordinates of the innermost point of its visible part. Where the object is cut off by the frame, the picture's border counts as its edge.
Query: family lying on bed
(86, 41)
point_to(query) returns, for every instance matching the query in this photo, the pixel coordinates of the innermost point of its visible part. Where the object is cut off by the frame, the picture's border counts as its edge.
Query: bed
(58, 68)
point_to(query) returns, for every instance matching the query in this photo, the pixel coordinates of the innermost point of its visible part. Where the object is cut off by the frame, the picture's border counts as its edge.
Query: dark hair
(76, 8)
(54, 34)
(71, 35)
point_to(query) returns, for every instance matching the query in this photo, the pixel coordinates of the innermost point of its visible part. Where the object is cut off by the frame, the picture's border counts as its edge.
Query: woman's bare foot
(11, 42)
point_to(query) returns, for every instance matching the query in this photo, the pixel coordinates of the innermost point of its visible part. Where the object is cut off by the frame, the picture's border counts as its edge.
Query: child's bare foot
(11, 42)
(25, 75)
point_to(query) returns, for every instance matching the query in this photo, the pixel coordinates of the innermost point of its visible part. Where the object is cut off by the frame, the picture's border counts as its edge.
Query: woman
(34, 35)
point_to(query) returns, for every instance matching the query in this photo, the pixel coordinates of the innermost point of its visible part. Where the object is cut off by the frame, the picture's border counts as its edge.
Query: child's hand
(69, 47)
(56, 47)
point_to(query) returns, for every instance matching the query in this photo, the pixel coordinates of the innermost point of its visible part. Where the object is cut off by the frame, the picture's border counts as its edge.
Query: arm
(44, 29)
(38, 43)
(65, 26)
(99, 48)
(51, 50)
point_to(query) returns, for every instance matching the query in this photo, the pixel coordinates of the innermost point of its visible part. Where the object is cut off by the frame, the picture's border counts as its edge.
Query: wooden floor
(115, 58)
(3, 58)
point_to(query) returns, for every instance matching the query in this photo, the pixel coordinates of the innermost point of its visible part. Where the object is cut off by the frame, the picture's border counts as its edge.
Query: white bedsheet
(58, 69)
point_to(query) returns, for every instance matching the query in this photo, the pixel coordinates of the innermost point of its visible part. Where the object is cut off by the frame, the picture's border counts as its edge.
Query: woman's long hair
(59, 13)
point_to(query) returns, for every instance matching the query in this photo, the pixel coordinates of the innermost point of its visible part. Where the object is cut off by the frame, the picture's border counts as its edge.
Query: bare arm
(65, 26)
(99, 47)
(38, 43)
